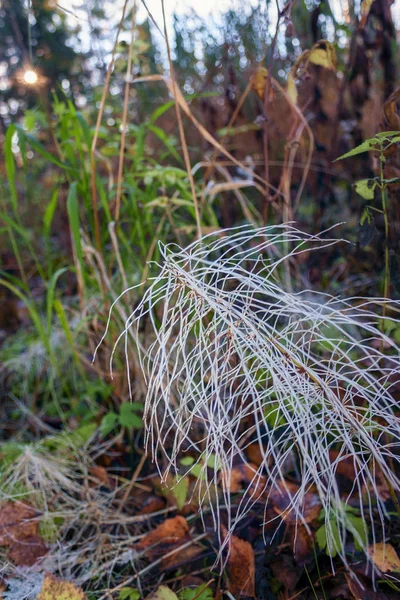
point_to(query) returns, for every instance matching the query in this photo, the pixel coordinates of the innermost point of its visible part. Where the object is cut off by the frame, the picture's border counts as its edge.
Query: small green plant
(380, 144)
(201, 592)
(198, 470)
(128, 417)
(129, 593)
(351, 521)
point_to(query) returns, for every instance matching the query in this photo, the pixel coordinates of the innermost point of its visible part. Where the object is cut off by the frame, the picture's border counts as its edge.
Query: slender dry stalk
(96, 132)
(182, 136)
(128, 81)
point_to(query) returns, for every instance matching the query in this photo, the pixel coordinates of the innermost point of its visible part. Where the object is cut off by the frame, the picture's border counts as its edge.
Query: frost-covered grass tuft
(236, 355)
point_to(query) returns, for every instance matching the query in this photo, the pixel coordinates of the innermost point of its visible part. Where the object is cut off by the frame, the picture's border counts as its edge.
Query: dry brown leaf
(384, 557)
(392, 118)
(151, 504)
(100, 473)
(254, 454)
(240, 567)
(280, 499)
(19, 532)
(26, 551)
(171, 531)
(286, 571)
(302, 544)
(57, 589)
(17, 520)
(168, 537)
(242, 476)
(360, 589)
(345, 466)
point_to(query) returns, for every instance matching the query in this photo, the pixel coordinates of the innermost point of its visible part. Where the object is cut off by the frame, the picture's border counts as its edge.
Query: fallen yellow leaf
(57, 589)
(384, 557)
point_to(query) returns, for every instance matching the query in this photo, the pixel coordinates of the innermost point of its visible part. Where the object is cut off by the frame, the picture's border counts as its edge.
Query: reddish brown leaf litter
(19, 532)
(242, 476)
(17, 521)
(302, 544)
(240, 567)
(280, 499)
(171, 531)
(166, 539)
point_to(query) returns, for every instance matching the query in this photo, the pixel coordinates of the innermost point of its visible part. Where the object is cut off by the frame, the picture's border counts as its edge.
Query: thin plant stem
(96, 133)
(128, 81)
(180, 127)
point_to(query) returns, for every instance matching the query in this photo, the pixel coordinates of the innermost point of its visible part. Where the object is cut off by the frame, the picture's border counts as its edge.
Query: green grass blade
(10, 166)
(50, 296)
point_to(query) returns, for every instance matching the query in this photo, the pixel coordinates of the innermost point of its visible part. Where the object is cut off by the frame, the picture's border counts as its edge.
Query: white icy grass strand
(229, 343)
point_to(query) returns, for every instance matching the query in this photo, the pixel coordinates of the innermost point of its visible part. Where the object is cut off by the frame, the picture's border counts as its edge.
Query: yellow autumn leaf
(259, 81)
(291, 89)
(57, 589)
(323, 54)
(163, 593)
(300, 62)
(384, 557)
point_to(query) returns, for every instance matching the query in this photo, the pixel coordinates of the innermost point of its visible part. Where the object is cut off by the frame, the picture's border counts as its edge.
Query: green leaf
(128, 593)
(366, 188)
(358, 527)
(161, 110)
(333, 541)
(320, 536)
(36, 145)
(187, 461)
(136, 406)
(51, 288)
(199, 593)
(198, 471)
(371, 144)
(160, 133)
(212, 462)
(128, 417)
(330, 541)
(180, 491)
(387, 134)
(73, 216)
(10, 166)
(81, 435)
(9, 452)
(108, 423)
(49, 213)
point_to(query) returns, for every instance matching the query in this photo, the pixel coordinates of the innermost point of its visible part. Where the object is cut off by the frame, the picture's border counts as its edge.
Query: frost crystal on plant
(234, 356)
